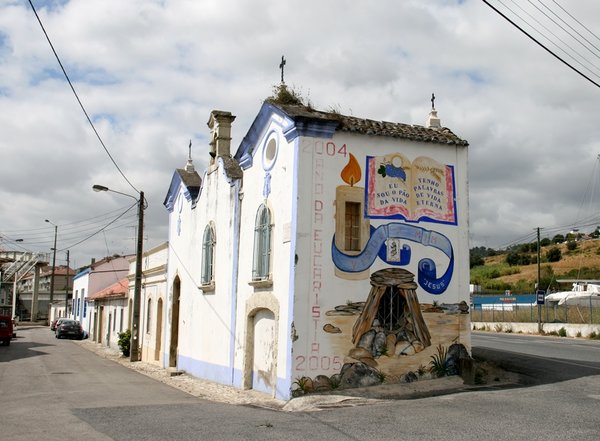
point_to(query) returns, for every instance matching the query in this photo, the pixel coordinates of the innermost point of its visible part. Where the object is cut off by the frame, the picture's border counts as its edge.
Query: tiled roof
(190, 179)
(118, 289)
(363, 126)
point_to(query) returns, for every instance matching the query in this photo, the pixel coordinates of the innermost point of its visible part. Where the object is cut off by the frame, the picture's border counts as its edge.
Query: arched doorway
(262, 344)
(174, 323)
(158, 336)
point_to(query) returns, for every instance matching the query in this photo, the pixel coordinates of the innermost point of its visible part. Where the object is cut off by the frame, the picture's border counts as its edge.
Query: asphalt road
(540, 359)
(56, 390)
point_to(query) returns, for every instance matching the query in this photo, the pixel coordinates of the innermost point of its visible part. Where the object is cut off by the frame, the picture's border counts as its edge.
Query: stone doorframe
(257, 302)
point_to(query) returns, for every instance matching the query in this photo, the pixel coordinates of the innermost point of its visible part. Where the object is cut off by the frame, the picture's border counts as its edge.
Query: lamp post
(53, 261)
(137, 290)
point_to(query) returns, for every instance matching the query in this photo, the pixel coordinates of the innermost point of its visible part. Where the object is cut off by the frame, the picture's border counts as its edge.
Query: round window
(270, 151)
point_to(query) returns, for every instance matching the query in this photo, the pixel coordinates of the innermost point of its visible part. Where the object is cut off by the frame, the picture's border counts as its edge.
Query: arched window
(148, 315)
(261, 264)
(208, 256)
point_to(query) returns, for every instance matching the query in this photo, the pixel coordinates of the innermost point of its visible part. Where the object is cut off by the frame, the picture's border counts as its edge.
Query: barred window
(352, 227)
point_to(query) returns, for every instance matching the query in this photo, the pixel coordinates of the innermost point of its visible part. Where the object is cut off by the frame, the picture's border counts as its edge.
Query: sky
(149, 72)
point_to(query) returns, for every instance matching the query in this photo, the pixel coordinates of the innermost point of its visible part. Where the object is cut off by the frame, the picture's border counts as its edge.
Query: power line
(541, 45)
(100, 230)
(571, 27)
(78, 100)
(581, 24)
(554, 35)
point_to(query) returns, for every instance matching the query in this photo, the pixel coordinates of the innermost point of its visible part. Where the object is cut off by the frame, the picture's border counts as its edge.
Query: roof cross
(432, 101)
(281, 66)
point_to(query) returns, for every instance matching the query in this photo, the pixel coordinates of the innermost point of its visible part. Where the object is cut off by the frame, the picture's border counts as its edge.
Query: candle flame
(351, 173)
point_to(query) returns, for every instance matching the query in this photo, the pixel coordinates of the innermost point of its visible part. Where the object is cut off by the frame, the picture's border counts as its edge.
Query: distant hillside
(582, 262)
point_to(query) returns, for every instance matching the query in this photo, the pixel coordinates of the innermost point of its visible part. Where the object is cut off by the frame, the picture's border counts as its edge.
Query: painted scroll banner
(427, 271)
(421, 190)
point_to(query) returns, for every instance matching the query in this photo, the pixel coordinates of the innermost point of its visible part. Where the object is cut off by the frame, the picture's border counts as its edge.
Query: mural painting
(392, 243)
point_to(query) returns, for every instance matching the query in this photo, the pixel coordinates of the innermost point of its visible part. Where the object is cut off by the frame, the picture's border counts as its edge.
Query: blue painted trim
(311, 128)
(171, 197)
(220, 374)
(82, 273)
(202, 369)
(293, 127)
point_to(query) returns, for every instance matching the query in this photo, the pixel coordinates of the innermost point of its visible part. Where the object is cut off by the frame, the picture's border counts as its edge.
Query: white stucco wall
(154, 288)
(275, 297)
(206, 327)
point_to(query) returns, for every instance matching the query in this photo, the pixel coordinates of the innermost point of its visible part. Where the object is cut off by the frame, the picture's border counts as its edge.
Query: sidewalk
(495, 378)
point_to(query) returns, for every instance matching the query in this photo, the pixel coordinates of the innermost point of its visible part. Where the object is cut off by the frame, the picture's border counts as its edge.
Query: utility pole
(67, 288)
(539, 305)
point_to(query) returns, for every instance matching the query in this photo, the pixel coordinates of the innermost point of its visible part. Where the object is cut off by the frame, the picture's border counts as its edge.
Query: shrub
(125, 342)
(562, 332)
(571, 245)
(553, 254)
(437, 365)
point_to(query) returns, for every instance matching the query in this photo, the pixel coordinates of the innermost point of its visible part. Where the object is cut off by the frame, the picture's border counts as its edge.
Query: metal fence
(528, 313)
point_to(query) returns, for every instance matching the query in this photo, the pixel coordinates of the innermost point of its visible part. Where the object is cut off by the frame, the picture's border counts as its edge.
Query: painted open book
(421, 190)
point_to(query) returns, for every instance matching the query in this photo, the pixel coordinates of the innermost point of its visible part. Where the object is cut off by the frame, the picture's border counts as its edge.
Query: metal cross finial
(432, 101)
(281, 66)
(190, 150)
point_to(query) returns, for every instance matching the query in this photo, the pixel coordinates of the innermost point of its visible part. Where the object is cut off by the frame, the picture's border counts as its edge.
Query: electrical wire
(100, 230)
(540, 44)
(78, 100)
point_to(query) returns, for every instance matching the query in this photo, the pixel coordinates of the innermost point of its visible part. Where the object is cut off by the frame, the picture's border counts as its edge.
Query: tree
(475, 260)
(545, 242)
(553, 254)
(512, 258)
(571, 245)
(559, 238)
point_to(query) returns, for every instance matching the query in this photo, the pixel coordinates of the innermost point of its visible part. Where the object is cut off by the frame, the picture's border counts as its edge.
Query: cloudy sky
(149, 72)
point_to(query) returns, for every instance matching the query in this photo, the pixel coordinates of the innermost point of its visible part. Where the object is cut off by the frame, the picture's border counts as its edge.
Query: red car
(6, 329)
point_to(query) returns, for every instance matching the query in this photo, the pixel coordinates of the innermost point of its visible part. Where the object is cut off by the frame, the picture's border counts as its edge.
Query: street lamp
(137, 290)
(53, 262)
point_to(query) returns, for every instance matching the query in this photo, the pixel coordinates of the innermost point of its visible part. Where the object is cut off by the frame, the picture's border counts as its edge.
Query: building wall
(153, 320)
(111, 319)
(205, 326)
(331, 287)
(263, 313)
(80, 308)
(304, 319)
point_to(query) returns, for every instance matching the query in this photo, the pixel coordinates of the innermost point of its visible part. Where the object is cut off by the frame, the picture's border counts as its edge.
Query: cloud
(150, 72)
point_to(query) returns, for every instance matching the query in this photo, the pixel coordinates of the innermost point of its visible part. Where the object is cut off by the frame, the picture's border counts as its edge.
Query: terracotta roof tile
(118, 289)
(376, 128)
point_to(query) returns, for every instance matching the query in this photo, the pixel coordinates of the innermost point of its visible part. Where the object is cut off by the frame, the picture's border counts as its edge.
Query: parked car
(6, 329)
(56, 322)
(69, 328)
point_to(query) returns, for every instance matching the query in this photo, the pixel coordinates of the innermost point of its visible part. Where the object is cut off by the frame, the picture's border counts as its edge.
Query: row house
(34, 304)
(92, 280)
